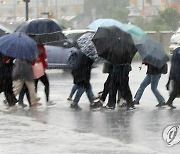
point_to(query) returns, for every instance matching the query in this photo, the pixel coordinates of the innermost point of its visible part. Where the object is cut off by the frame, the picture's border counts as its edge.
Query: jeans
(73, 90)
(153, 80)
(81, 90)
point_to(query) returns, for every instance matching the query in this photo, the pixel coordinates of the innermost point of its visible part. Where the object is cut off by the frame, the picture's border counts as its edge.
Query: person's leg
(154, 84)
(140, 90)
(73, 90)
(44, 79)
(126, 92)
(36, 84)
(89, 93)
(78, 95)
(173, 94)
(21, 95)
(113, 87)
(31, 88)
(106, 88)
(8, 91)
(17, 86)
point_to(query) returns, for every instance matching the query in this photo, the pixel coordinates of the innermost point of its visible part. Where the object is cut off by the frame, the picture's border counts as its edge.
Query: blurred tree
(165, 20)
(115, 9)
(170, 17)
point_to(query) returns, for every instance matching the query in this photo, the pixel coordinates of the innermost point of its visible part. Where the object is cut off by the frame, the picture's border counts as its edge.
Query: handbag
(38, 70)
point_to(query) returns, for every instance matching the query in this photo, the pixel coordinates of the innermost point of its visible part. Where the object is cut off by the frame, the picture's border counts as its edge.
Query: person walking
(81, 76)
(41, 59)
(6, 81)
(174, 76)
(23, 74)
(152, 78)
(120, 82)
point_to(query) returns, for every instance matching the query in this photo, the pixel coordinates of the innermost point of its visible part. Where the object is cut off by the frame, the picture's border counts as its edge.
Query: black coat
(6, 68)
(82, 73)
(175, 65)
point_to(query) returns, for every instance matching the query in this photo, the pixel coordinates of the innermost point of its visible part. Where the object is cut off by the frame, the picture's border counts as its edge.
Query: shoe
(123, 105)
(69, 99)
(75, 106)
(136, 102)
(96, 97)
(37, 99)
(131, 108)
(101, 101)
(96, 105)
(5, 101)
(22, 105)
(49, 103)
(170, 105)
(109, 107)
(160, 104)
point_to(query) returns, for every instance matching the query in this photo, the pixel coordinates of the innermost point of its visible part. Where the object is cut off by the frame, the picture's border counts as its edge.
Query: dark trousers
(44, 79)
(106, 88)
(119, 82)
(175, 92)
(6, 87)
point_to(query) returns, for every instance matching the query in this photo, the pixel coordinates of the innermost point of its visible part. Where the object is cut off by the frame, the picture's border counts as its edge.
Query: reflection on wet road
(58, 129)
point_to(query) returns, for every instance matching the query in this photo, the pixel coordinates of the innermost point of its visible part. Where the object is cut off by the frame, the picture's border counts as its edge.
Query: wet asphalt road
(59, 129)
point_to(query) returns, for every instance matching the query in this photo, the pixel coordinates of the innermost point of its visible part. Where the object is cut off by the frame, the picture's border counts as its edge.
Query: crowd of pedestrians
(18, 78)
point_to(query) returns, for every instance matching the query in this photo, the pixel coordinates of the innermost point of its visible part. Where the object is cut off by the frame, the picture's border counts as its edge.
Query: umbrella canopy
(87, 46)
(114, 45)
(138, 35)
(42, 30)
(106, 23)
(18, 45)
(152, 53)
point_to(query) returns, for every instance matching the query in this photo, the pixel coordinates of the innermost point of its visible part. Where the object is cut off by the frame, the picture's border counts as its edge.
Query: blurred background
(160, 18)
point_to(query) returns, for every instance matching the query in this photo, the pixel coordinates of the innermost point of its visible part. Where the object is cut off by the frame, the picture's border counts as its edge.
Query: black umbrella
(114, 45)
(153, 53)
(42, 30)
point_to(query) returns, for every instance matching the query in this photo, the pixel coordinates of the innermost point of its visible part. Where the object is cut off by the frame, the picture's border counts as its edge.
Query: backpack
(73, 59)
(164, 69)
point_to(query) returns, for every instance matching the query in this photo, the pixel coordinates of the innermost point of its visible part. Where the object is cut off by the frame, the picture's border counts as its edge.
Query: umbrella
(87, 46)
(106, 23)
(152, 53)
(18, 45)
(138, 35)
(42, 30)
(114, 45)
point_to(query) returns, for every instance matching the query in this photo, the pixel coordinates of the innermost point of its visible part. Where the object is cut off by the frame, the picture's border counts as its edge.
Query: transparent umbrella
(106, 23)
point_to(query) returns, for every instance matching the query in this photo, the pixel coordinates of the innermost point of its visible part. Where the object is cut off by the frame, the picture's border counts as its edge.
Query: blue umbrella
(18, 45)
(106, 23)
(152, 53)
